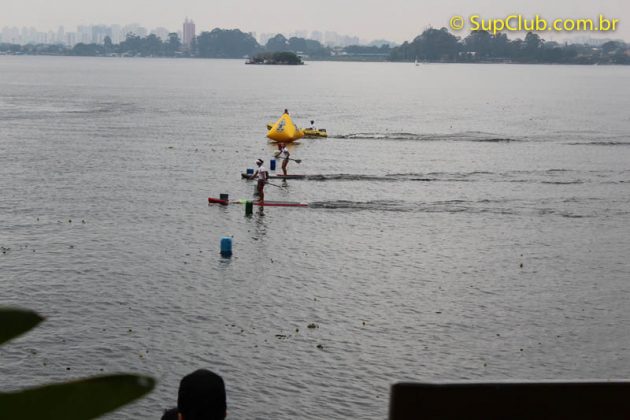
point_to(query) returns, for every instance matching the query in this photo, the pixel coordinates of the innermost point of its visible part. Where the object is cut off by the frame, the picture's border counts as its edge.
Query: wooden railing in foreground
(511, 400)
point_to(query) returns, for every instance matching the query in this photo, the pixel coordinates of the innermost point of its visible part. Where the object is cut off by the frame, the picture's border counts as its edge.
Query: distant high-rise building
(317, 36)
(133, 29)
(71, 39)
(61, 37)
(39, 38)
(117, 34)
(189, 33)
(11, 35)
(330, 38)
(299, 34)
(26, 35)
(84, 34)
(99, 32)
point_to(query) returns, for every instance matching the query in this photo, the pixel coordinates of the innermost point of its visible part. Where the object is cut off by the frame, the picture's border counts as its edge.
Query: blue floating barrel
(250, 171)
(272, 165)
(226, 246)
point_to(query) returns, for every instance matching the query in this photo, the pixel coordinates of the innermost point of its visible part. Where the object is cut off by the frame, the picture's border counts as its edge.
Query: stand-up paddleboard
(212, 200)
(278, 176)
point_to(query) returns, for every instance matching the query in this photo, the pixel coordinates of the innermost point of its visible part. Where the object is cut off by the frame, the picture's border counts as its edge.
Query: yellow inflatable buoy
(285, 130)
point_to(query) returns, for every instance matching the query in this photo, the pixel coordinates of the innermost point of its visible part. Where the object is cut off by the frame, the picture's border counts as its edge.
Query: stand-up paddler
(283, 153)
(262, 175)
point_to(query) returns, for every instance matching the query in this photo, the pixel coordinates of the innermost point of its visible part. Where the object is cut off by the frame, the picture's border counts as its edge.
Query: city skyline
(96, 33)
(397, 20)
(88, 34)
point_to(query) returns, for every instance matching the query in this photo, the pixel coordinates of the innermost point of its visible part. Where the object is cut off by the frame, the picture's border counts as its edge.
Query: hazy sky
(395, 20)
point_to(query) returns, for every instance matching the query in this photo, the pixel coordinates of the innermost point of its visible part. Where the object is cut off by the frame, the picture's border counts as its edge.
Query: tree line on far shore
(481, 46)
(218, 43)
(433, 45)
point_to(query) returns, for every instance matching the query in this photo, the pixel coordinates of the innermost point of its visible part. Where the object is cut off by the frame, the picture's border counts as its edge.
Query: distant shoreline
(306, 61)
(431, 46)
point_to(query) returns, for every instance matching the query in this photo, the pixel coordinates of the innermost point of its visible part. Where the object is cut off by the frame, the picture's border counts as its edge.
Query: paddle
(277, 156)
(277, 186)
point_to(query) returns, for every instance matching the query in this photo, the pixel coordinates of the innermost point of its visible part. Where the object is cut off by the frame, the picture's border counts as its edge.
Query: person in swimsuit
(283, 153)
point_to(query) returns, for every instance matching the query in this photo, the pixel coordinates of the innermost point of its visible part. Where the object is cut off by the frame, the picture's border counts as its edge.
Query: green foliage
(479, 46)
(316, 49)
(480, 42)
(15, 322)
(280, 57)
(10, 48)
(367, 50)
(532, 41)
(434, 45)
(153, 45)
(173, 44)
(87, 49)
(309, 47)
(149, 46)
(133, 44)
(226, 43)
(297, 44)
(76, 400)
(277, 43)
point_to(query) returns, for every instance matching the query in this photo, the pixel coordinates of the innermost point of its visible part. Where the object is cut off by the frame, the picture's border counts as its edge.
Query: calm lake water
(473, 224)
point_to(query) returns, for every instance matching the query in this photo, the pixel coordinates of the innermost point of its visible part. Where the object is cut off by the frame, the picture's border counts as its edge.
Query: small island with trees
(275, 58)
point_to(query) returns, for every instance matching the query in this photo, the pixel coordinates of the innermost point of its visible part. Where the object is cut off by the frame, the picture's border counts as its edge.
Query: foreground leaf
(15, 322)
(78, 400)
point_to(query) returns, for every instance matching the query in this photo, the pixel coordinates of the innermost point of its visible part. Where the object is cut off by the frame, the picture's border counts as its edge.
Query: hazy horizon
(397, 20)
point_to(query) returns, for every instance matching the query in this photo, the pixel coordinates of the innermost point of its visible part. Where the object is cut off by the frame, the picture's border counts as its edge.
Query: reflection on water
(259, 223)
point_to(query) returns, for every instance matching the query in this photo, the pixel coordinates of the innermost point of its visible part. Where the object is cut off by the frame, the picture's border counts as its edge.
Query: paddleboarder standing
(283, 153)
(262, 175)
